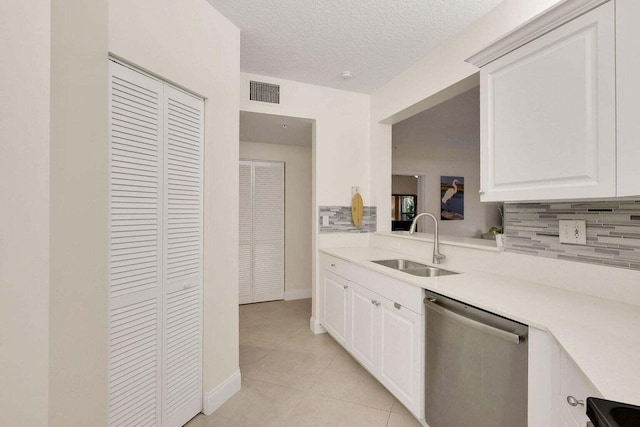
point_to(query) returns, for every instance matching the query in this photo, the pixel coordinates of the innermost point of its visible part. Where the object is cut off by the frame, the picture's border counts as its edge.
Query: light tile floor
(293, 378)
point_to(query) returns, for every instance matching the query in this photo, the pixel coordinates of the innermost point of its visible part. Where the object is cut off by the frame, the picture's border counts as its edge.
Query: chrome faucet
(438, 258)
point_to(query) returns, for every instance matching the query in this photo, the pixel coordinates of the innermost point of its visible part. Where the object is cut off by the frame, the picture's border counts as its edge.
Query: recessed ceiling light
(284, 126)
(347, 75)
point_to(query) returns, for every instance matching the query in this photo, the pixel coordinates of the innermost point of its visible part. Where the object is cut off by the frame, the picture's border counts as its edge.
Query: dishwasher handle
(505, 335)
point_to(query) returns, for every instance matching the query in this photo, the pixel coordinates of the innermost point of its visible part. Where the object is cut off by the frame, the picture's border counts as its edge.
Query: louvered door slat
(135, 123)
(182, 386)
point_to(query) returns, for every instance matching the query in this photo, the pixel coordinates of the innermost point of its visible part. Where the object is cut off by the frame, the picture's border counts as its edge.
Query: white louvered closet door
(135, 336)
(155, 260)
(182, 379)
(261, 231)
(246, 225)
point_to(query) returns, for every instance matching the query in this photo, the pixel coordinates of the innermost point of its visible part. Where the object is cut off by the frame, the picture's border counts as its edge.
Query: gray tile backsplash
(340, 220)
(613, 231)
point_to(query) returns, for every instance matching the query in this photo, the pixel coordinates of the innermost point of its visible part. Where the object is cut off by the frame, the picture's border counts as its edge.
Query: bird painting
(452, 191)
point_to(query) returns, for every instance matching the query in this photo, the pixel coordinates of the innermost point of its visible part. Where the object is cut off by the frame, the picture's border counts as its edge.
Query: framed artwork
(452, 197)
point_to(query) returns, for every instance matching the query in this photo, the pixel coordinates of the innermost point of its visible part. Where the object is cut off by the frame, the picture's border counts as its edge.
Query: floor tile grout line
(295, 337)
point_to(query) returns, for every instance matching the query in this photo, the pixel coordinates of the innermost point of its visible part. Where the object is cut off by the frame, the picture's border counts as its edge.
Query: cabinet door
(566, 420)
(335, 295)
(401, 354)
(365, 321)
(548, 115)
(574, 383)
(628, 93)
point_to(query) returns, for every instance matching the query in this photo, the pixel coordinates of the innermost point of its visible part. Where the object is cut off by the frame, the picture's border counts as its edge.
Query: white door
(400, 353)
(182, 290)
(155, 251)
(261, 231)
(335, 293)
(246, 233)
(365, 320)
(135, 286)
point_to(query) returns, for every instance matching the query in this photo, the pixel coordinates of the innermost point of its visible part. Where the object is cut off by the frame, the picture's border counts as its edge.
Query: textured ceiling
(314, 41)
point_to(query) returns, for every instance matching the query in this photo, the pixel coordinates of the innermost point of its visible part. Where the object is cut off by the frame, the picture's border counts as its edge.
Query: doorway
(272, 138)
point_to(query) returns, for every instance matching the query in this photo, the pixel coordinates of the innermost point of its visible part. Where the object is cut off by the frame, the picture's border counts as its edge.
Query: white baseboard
(316, 327)
(297, 294)
(215, 398)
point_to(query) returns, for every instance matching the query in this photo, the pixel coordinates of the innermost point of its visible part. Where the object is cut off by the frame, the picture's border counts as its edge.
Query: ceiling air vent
(264, 92)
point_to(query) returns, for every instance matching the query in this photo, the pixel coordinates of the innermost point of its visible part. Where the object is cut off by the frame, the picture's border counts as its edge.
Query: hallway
(293, 378)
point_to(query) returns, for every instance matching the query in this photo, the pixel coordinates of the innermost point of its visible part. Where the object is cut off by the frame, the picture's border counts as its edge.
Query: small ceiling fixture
(284, 126)
(347, 75)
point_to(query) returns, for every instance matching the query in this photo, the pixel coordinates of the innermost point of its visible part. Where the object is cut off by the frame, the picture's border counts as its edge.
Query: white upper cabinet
(628, 94)
(548, 108)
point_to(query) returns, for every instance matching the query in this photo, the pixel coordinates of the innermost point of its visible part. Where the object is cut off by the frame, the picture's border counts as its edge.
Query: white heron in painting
(450, 192)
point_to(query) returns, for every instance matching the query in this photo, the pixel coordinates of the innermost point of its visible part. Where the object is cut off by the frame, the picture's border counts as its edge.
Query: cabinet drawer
(397, 291)
(574, 383)
(336, 265)
(405, 294)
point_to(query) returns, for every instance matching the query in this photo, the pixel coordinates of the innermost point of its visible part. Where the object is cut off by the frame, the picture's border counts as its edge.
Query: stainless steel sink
(415, 268)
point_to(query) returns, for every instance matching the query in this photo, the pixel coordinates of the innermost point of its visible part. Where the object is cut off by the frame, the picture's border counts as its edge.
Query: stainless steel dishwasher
(476, 366)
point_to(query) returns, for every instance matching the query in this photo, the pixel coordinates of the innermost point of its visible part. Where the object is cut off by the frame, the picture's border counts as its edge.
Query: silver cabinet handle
(346, 286)
(376, 303)
(333, 265)
(572, 401)
(396, 305)
(481, 191)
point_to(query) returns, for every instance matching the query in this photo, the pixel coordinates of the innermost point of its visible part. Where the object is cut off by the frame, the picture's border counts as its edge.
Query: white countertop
(600, 335)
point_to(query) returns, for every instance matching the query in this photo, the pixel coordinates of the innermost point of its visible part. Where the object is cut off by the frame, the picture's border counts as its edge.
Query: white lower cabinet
(335, 293)
(574, 390)
(365, 327)
(401, 354)
(558, 389)
(376, 327)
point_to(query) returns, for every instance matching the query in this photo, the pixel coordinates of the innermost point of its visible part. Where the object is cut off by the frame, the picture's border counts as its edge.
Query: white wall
(445, 141)
(404, 184)
(190, 44)
(24, 214)
(445, 66)
(78, 214)
(340, 149)
(437, 77)
(298, 210)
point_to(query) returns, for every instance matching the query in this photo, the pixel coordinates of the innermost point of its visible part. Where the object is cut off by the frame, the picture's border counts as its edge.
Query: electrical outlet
(573, 231)
(325, 220)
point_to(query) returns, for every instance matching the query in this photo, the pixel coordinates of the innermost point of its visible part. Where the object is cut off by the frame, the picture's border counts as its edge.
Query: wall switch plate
(573, 231)
(325, 220)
